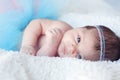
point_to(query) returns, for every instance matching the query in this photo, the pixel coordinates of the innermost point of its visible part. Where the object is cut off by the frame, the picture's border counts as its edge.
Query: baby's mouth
(62, 50)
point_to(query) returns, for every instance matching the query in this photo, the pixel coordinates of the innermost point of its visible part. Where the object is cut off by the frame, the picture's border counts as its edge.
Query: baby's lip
(64, 49)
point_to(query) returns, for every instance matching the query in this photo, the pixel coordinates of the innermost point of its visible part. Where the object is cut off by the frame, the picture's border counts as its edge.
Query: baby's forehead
(88, 28)
(92, 35)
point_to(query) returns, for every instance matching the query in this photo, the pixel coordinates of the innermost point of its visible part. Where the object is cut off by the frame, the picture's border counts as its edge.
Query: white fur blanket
(15, 66)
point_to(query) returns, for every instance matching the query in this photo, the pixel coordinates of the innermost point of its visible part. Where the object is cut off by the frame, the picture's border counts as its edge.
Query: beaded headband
(102, 42)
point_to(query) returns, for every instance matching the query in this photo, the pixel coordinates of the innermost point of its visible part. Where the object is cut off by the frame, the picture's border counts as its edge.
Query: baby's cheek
(60, 52)
(93, 57)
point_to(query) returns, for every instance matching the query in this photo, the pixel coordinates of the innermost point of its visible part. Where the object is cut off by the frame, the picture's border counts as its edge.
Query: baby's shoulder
(62, 25)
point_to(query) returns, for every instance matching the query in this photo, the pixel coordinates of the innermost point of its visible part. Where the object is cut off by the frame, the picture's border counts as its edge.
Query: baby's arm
(30, 37)
(53, 31)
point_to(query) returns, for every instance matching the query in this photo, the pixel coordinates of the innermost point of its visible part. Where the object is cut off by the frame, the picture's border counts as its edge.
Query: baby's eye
(78, 38)
(78, 56)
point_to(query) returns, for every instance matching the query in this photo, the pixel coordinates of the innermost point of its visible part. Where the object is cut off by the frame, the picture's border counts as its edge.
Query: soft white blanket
(14, 66)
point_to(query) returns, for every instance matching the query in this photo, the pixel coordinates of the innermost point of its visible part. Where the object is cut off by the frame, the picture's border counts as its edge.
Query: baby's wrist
(28, 50)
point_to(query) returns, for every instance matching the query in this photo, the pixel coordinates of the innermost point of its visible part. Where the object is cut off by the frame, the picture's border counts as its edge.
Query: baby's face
(80, 41)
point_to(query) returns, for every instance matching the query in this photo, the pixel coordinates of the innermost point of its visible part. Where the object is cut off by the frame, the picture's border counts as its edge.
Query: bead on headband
(102, 42)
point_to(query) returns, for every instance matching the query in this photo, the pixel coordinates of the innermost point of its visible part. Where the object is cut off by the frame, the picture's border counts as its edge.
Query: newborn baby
(43, 37)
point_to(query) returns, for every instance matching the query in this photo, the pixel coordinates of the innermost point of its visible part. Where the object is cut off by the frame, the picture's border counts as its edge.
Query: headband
(102, 42)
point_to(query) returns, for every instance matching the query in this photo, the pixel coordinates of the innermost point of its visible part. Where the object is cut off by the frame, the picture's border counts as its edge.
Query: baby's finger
(59, 31)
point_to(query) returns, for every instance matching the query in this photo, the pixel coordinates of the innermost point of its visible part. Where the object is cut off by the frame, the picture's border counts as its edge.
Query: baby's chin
(60, 51)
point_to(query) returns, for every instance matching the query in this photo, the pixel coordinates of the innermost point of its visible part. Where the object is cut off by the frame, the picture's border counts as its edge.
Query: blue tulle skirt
(16, 14)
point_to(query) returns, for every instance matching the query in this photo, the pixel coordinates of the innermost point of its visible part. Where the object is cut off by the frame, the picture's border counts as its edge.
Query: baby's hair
(112, 43)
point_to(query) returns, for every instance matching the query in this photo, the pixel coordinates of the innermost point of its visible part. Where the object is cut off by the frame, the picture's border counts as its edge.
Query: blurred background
(16, 14)
(114, 3)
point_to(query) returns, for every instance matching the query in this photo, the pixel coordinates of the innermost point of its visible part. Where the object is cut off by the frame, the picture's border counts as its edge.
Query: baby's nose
(73, 50)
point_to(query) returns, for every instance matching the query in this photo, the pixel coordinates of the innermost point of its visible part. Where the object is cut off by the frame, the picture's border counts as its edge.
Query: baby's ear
(119, 43)
(119, 47)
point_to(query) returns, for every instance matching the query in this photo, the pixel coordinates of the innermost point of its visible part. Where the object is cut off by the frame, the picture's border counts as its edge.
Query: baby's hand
(28, 50)
(54, 36)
